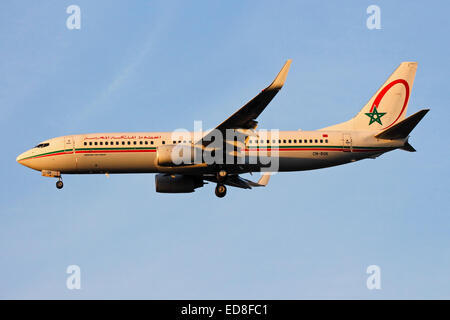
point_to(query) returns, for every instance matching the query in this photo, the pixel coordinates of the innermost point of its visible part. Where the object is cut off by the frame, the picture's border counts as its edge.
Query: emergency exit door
(347, 143)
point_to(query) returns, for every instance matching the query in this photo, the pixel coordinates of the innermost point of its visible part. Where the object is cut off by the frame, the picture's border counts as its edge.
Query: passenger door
(69, 144)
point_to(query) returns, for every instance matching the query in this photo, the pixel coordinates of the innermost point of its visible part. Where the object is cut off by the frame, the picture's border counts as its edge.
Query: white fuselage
(136, 152)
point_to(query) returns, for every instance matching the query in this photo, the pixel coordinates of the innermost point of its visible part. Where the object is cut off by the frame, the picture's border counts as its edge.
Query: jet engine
(177, 183)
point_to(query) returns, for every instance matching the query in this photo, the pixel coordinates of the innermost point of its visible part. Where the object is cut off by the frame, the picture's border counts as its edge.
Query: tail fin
(388, 106)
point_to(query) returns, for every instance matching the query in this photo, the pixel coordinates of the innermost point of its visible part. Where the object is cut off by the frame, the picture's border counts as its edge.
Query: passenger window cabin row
(287, 141)
(257, 142)
(116, 143)
(124, 143)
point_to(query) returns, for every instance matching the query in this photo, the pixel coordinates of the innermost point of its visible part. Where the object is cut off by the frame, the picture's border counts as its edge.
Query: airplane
(379, 127)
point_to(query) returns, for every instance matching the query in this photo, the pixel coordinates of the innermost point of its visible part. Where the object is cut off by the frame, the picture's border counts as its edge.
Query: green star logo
(375, 116)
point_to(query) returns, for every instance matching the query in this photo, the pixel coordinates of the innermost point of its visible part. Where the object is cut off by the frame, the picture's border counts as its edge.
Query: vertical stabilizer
(388, 105)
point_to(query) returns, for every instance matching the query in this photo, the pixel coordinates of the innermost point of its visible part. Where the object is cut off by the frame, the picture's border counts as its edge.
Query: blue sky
(160, 65)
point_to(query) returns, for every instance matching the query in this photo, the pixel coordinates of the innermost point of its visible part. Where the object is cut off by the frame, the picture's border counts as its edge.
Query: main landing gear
(59, 183)
(222, 175)
(221, 190)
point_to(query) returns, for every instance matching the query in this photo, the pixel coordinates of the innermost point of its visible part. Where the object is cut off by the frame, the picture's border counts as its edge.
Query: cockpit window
(42, 145)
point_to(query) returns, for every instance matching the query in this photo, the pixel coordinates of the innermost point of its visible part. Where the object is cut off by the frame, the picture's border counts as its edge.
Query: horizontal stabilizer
(402, 129)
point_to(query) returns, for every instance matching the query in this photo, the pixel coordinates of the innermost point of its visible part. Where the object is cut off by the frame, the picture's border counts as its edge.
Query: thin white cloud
(160, 28)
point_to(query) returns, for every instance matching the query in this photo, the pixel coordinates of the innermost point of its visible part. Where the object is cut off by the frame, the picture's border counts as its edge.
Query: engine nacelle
(175, 155)
(177, 183)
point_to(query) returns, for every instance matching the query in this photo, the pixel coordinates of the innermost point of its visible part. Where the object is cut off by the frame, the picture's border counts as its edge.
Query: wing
(245, 117)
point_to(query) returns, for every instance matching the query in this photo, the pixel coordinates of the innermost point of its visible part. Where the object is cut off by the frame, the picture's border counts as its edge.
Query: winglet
(279, 81)
(264, 180)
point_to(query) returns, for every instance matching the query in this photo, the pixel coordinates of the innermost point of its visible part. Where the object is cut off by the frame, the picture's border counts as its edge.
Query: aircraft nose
(26, 160)
(21, 156)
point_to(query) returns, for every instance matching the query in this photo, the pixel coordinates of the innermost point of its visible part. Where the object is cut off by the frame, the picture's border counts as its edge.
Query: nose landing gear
(54, 174)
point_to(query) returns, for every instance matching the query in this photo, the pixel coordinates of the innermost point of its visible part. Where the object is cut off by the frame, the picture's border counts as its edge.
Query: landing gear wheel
(59, 184)
(221, 190)
(222, 175)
